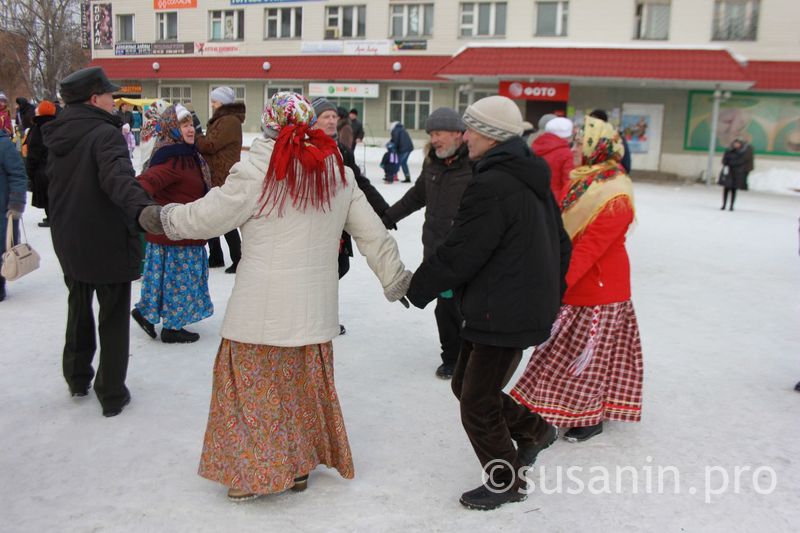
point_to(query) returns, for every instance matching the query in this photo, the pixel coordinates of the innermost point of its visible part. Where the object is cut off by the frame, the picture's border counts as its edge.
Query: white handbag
(20, 259)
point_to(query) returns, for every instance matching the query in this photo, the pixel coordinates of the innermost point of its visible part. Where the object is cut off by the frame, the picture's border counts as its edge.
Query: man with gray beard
(445, 174)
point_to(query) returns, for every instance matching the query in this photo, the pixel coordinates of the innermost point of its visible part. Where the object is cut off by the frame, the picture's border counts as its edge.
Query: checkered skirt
(589, 370)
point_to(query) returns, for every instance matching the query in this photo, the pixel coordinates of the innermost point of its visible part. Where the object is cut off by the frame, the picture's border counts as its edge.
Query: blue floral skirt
(175, 285)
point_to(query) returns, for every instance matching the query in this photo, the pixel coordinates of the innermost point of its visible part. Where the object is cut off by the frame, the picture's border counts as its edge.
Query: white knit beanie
(560, 127)
(496, 117)
(223, 95)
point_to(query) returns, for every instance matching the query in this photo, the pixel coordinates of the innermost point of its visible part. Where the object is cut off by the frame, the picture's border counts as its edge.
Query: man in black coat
(506, 257)
(403, 144)
(97, 210)
(358, 128)
(445, 174)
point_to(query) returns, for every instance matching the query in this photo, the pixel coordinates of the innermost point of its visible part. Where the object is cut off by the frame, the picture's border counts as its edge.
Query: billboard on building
(771, 122)
(86, 25)
(103, 25)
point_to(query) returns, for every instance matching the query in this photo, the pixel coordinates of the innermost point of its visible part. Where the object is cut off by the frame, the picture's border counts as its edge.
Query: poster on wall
(103, 27)
(771, 122)
(86, 25)
(634, 129)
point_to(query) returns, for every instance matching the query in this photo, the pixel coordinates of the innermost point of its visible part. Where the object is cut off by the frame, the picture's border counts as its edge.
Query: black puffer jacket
(438, 189)
(94, 197)
(507, 255)
(36, 162)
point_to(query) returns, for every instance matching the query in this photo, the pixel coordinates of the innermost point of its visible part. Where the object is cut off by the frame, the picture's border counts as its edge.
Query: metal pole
(712, 142)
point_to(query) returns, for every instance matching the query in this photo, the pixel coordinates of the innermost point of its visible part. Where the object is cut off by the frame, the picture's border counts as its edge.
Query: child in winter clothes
(129, 138)
(390, 163)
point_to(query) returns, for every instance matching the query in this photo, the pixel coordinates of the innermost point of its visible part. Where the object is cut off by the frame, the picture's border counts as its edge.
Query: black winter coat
(36, 162)
(740, 164)
(95, 199)
(374, 198)
(507, 255)
(438, 189)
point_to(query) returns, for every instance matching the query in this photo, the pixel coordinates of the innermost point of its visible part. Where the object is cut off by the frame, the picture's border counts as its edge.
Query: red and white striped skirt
(589, 370)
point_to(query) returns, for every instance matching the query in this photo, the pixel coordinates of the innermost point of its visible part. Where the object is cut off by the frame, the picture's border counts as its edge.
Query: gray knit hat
(544, 120)
(444, 119)
(322, 104)
(496, 117)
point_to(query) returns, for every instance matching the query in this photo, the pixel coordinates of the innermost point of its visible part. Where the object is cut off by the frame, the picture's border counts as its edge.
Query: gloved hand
(150, 220)
(400, 287)
(15, 211)
(388, 222)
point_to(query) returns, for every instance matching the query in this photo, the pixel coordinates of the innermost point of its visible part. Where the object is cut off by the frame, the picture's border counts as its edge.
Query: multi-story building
(662, 68)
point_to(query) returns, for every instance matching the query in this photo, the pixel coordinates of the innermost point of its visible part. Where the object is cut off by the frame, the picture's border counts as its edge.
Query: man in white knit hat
(506, 257)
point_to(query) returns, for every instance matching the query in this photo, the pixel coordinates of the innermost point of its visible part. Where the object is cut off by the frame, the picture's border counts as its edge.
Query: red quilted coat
(599, 272)
(559, 157)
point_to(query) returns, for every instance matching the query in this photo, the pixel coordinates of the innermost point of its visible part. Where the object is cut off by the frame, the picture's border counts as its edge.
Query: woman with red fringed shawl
(590, 370)
(274, 412)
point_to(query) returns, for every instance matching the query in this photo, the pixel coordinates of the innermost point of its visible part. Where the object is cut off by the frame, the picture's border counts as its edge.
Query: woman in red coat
(553, 146)
(590, 369)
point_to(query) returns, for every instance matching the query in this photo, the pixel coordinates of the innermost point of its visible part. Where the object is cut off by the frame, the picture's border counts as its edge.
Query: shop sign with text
(546, 92)
(344, 90)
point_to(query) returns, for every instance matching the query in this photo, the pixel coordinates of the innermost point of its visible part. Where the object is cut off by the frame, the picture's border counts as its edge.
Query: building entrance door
(641, 125)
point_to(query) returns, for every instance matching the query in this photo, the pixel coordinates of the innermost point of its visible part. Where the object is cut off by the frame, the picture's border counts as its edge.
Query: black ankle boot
(582, 434)
(2, 288)
(148, 328)
(483, 499)
(171, 336)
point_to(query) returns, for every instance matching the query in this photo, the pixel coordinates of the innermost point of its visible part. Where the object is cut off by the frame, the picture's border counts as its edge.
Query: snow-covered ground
(717, 298)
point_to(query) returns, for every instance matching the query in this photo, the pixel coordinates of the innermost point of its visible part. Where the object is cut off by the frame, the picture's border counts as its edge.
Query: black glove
(388, 222)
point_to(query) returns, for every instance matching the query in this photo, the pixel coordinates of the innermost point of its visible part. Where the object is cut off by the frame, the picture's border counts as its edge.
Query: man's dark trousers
(234, 247)
(448, 321)
(114, 332)
(491, 417)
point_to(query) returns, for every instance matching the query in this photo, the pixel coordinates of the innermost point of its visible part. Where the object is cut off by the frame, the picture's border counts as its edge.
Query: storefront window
(411, 107)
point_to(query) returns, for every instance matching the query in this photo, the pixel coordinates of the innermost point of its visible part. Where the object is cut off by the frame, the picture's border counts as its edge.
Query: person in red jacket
(175, 277)
(553, 146)
(590, 370)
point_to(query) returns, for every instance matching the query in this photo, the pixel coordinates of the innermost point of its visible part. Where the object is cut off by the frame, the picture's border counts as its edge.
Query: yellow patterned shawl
(599, 180)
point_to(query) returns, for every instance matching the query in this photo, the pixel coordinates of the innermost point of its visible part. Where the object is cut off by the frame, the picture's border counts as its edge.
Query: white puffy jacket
(286, 288)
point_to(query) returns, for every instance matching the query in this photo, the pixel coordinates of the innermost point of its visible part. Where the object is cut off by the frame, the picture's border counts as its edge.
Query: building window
(411, 107)
(411, 20)
(551, 18)
(226, 25)
(483, 19)
(270, 91)
(176, 94)
(283, 23)
(652, 19)
(167, 26)
(735, 20)
(467, 97)
(345, 21)
(125, 29)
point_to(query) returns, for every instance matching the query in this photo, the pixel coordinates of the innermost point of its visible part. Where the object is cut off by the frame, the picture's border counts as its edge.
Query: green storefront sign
(770, 121)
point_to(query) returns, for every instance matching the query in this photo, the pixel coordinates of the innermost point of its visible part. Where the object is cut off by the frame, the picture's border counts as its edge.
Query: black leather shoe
(528, 451)
(583, 433)
(445, 371)
(483, 499)
(79, 392)
(342, 329)
(231, 269)
(171, 336)
(44, 223)
(114, 411)
(148, 328)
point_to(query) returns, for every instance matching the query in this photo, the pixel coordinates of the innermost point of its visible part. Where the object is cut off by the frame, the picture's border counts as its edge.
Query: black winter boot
(583, 433)
(483, 499)
(2, 288)
(797, 387)
(172, 336)
(148, 328)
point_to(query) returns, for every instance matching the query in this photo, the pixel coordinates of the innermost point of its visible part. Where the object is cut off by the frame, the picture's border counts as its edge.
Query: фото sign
(544, 92)
(339, 90)
(174, 4)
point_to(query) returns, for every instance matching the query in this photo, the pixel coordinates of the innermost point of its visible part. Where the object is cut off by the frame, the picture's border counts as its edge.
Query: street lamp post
(719, 97)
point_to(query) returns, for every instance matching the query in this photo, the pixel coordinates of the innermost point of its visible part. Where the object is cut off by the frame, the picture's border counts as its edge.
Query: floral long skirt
(589, 370)
(274, 417)
(175, 285)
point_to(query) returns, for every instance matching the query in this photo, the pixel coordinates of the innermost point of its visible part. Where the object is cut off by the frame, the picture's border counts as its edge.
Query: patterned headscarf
(304, 160)
(168, 131)
(151, 117)
(601, 142)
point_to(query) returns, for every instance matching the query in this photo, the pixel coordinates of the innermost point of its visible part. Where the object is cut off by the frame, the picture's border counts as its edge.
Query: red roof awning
(299, 67)
(775, 75)
(696, 66)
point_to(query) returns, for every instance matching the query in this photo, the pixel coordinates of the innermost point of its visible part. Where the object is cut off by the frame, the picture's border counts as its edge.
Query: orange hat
(46, 108)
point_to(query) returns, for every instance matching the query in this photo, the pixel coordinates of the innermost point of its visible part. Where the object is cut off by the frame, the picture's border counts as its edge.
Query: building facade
(662, 68)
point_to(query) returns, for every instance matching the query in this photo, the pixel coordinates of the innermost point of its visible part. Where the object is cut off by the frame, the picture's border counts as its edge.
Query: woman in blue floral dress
(175, 277)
